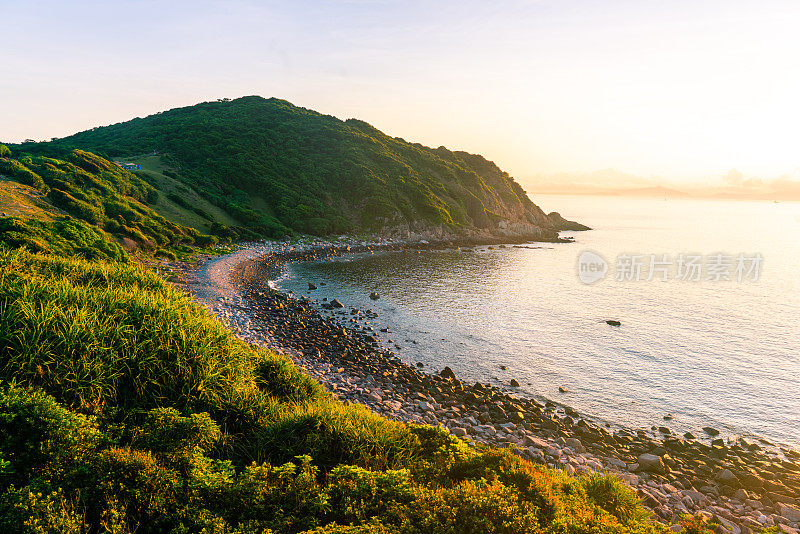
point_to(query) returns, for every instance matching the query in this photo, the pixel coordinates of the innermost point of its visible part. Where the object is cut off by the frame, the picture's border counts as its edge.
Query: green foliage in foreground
(64, 237)
(104, 203)
(125, 407)
(312, 173)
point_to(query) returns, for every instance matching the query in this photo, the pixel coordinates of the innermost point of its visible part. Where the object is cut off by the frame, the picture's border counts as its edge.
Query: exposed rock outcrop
(562, 224)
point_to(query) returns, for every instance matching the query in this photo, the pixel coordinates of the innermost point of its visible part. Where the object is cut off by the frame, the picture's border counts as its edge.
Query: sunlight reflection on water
(719, 353)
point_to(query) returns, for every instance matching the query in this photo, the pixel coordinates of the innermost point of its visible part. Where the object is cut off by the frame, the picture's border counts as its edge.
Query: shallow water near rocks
(718, 353)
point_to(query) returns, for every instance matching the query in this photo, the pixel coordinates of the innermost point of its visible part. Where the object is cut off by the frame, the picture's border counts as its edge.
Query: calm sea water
(719, 353)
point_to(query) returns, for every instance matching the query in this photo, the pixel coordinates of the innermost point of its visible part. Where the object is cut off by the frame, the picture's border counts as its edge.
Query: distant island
(611, 182)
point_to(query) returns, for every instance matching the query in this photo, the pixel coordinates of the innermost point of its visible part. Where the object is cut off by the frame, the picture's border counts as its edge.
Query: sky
(684, 90)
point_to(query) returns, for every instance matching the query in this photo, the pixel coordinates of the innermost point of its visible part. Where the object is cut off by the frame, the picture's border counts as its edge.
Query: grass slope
(25, 202)
(310, 172)
(83, 204)
(125, 407)
(177, 201)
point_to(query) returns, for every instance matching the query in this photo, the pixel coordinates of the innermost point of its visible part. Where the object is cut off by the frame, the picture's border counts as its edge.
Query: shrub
(358, 495)
(204, 240)
(117, 208)
(612, 495)
(471, 507)
(69, 237)
(334, 434)
(333, 528)
(697, 524)
(99, 193)
(165, 254)
(135, 482)
(287, 497)
(180, 440)
(28, 512)
(77, 208)
(39, 437)
(19, 171)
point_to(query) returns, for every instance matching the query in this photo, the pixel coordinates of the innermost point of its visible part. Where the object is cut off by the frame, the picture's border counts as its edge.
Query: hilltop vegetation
(125, 407)
(85, 205)
(277, 168)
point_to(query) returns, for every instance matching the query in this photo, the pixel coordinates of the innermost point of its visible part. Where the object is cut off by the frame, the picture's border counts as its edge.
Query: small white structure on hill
(129, 166)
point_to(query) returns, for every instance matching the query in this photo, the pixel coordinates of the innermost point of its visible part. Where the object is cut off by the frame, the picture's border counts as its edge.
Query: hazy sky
(680, 89)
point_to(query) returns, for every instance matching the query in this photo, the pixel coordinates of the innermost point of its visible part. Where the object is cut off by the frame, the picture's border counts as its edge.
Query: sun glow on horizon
(684, 90)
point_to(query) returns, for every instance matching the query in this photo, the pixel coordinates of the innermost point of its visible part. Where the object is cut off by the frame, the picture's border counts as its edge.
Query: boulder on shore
(336, 304)
(727, 477)
(374, 295)
(651, 463)
(613, 322)
(447, 373)
(575, 444)
(789, 511)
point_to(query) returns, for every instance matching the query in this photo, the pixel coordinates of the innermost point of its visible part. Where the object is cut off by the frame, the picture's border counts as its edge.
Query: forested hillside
(276, 168)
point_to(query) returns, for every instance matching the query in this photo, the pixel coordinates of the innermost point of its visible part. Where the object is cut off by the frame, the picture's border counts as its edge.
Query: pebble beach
(745, 484)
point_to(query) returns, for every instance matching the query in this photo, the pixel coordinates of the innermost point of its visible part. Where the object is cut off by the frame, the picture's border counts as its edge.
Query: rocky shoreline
(744, 485)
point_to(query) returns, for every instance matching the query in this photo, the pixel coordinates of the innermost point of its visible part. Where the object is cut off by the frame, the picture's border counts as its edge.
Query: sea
(706, 293)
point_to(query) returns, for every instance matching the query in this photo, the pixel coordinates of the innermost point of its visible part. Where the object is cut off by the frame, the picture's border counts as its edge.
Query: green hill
(126, 407)
(273, 168)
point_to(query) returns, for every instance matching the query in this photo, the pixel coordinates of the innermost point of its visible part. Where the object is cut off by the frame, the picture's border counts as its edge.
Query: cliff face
(275, 167)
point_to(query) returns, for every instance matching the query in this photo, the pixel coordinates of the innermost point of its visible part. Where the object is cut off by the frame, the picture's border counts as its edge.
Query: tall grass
(126, 407)
(116, 340)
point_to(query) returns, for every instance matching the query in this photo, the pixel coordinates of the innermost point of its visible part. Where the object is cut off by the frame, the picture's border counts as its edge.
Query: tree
(5, 152)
